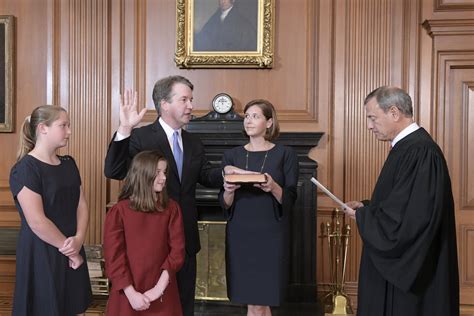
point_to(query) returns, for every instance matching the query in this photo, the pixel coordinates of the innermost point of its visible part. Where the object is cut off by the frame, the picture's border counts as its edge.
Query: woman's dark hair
(269, 112)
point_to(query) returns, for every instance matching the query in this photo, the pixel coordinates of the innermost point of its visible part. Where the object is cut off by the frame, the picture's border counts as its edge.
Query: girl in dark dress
(51, 272)
(257, 233)
(144, 243)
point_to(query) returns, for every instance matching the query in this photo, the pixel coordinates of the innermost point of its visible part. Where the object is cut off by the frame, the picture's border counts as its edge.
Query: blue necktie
(177, 153)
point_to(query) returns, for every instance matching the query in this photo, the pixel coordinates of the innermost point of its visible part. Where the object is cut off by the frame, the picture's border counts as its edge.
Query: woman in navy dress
(51, 272)
(257, 234)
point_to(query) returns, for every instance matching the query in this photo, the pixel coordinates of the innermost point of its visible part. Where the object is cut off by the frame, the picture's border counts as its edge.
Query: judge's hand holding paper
(346, 207)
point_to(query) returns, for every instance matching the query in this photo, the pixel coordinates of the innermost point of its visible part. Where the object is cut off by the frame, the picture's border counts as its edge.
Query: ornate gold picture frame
(6, 73)
(210, 35)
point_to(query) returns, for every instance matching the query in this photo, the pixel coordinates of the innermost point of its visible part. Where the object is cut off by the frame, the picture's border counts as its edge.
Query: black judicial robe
(409, 259)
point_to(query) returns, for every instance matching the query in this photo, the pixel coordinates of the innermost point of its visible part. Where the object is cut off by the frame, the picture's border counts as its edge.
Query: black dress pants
(186, 278)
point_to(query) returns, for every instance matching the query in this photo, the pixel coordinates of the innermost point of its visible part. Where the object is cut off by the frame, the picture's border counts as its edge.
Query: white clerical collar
(225, 12)
(168, 129)
(405, 132)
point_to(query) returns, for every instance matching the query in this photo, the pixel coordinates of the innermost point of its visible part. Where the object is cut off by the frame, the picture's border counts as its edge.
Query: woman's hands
(272, 187)
(75, 261)
(229, 192)
(230, 187)
(267, 186)
(71, 246)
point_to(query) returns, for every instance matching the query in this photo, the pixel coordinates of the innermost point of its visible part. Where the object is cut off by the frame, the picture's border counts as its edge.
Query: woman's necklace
(247, 161)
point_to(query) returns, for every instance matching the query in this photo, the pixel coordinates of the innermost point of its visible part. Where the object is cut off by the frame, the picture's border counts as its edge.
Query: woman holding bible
(257, 234)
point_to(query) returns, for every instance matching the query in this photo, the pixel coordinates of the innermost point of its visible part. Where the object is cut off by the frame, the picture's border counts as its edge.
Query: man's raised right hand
(129, 116)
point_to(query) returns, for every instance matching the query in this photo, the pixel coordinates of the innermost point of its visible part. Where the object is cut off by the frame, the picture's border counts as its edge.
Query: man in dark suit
(227, 30)
(173, 98)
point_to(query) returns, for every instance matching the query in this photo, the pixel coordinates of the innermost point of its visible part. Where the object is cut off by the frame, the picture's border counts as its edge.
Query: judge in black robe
(409, 259)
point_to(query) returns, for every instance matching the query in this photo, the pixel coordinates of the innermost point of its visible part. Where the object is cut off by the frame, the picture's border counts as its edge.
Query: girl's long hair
(138, 184)
(44, 114)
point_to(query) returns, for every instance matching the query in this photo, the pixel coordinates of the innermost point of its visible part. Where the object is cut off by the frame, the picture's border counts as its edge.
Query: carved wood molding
(9, 216)
(445, 62)
(450, 5)
(452, 71)
(466, 263)
(449, 27)
(466, 181)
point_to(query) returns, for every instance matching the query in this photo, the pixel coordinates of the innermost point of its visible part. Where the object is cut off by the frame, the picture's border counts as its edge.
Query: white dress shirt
(168, 131)
(405, 132)
(224, 13)
(169, 134)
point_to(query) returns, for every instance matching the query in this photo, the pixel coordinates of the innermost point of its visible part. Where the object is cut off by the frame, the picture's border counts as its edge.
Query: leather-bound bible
(245, 178)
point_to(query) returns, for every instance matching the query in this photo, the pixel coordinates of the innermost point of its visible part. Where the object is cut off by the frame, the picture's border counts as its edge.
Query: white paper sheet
(332, 196)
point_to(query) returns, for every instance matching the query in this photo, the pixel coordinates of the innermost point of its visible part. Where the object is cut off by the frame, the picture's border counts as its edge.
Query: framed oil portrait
(6, 73)
(225, 33)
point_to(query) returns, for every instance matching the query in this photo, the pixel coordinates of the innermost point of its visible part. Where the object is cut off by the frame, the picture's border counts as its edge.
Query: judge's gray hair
(387, 97)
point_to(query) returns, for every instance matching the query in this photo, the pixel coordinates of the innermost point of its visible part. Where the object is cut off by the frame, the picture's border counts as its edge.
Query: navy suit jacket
(196, 169)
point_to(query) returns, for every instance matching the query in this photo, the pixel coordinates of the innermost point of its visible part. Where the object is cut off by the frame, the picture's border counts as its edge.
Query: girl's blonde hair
(138, 184)
(44, 114)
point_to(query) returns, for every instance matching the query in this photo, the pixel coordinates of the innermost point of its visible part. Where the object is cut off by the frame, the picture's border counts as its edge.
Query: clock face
(222, 103)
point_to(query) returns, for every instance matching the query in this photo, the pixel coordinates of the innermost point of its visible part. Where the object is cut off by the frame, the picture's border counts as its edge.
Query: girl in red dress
(144, 243)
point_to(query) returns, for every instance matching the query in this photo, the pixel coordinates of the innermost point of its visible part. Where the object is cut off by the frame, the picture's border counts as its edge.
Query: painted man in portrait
(228, 29)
